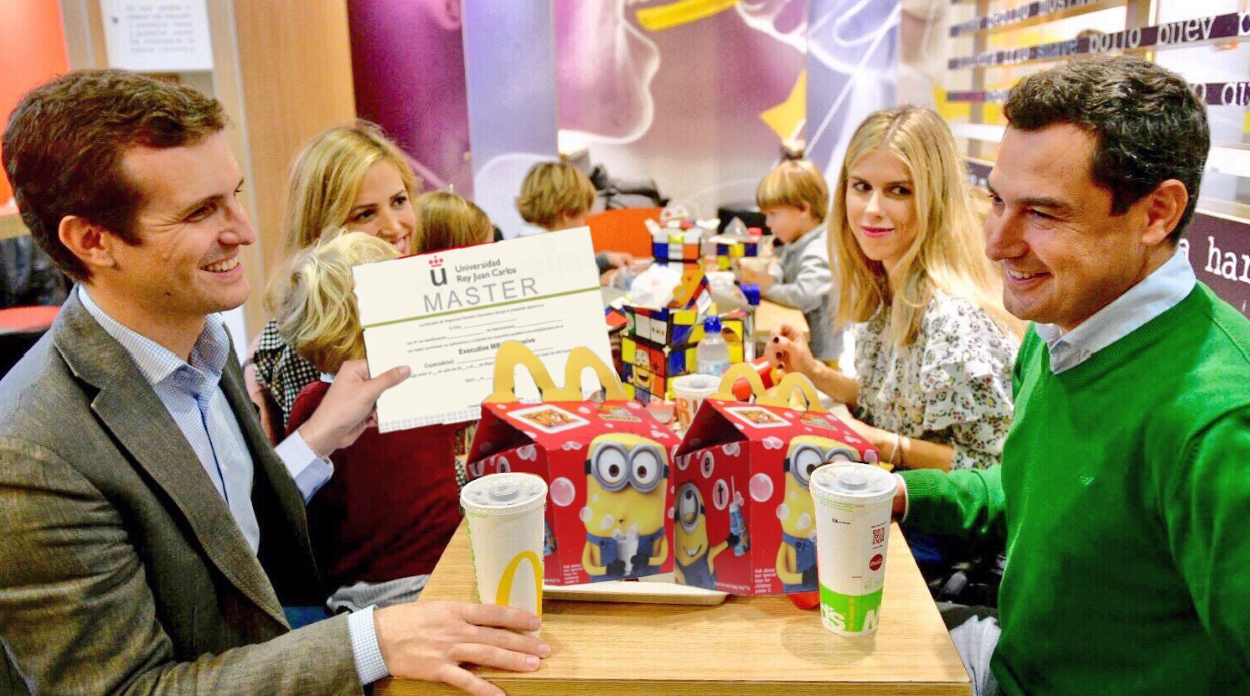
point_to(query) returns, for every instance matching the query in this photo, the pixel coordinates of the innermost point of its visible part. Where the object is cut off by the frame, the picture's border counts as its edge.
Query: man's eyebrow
(186, 210)
(194, 206)
(1035, 201)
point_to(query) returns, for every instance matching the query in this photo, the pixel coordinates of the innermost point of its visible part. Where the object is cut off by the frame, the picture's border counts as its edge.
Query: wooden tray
(657, 589)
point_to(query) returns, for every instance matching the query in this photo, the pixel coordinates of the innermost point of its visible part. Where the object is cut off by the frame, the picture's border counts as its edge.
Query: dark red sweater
(391, 506)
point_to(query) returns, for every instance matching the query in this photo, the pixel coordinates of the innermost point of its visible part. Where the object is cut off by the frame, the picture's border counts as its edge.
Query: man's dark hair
(64, 143)
(1150, 126)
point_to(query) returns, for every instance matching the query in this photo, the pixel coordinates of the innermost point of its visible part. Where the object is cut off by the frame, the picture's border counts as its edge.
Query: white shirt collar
(1157, 293)
(156, 362)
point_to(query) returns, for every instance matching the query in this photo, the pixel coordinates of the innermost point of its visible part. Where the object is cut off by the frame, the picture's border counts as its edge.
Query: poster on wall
(427, 111)
(164, 36)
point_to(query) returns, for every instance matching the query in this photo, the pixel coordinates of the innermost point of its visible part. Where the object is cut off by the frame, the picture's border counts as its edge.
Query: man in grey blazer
(151, 534)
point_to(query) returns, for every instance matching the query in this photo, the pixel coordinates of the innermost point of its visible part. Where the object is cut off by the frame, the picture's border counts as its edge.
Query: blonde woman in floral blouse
(934, 347)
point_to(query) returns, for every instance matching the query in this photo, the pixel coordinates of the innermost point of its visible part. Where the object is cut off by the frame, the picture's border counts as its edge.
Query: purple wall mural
(408, 65)
(695, 95)
(852, 61)
(510, 66)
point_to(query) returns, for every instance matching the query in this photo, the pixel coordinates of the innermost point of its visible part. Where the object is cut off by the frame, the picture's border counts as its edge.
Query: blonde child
(794, 199)
(558, 196)
(380, 524)
(448, 221)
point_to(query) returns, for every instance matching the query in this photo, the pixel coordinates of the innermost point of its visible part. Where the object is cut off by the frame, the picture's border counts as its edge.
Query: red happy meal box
(607, 466)
(744, 518)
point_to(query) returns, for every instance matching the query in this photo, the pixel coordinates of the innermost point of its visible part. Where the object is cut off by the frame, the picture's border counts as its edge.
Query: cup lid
(696, 383)
(853, 480)
(504, 494)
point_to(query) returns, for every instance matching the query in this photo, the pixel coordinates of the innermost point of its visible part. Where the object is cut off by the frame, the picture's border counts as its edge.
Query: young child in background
(448, 221)
(794, 199)
(380, 524)
(558, 196)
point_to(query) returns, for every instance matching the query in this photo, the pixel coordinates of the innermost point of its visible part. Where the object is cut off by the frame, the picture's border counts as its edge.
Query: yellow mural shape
(787, 117)
(682, 12)
(503, 596)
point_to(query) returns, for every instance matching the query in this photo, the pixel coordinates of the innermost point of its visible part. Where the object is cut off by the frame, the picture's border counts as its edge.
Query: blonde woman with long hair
(352, 177)
(934, 347)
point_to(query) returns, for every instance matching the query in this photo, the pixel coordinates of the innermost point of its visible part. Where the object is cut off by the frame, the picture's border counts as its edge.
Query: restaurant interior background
(697, 96)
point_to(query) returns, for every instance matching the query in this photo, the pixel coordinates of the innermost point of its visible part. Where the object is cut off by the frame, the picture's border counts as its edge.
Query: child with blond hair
(558, 196)
(379, 525)
(794, 199)
(448, 221)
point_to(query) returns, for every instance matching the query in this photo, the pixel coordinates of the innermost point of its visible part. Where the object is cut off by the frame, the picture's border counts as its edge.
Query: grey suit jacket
(121, 569)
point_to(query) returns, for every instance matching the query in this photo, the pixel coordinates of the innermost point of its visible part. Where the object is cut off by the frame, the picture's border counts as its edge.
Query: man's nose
(1004, 235)
(240, 230)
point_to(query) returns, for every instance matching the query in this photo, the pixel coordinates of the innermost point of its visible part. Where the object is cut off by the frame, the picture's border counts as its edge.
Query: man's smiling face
(1064, 254)
(190, 228)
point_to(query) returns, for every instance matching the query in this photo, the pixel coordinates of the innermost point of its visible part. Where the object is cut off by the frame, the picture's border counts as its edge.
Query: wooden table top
(746, 646)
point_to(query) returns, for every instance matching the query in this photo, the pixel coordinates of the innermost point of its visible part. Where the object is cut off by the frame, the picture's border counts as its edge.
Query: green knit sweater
(1124, 500)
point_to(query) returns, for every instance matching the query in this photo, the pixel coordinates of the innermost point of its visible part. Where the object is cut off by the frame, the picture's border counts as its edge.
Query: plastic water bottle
(712, 354)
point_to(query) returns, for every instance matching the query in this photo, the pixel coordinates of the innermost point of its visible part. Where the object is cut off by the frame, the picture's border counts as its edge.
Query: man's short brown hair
(64, 143)
(1148, 123)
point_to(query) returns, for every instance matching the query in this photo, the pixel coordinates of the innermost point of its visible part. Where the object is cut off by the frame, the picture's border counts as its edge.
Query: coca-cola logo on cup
(875, 563)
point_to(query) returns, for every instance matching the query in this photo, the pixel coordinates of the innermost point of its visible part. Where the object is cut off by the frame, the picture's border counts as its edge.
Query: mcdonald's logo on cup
(503, 595)
(506, 514)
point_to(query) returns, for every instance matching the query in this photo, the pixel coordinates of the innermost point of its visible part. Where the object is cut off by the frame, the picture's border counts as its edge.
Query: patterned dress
(280, 371)
(952, 386)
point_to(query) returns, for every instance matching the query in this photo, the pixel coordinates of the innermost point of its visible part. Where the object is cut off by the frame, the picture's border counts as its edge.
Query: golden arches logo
(504, 593)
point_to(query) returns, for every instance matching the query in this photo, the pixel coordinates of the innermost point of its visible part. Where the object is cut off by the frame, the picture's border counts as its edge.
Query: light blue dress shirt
(192, 393)
(1156, 294)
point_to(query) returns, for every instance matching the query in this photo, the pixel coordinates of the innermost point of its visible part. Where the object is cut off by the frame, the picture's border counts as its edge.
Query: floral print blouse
(952, 386)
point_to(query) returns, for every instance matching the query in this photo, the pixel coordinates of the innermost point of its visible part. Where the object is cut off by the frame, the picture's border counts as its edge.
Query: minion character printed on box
(626, 481)
(796, 556)
(695, 562)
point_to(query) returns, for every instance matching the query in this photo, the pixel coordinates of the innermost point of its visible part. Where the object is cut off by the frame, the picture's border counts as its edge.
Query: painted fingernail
(776, 339)
(531, 661)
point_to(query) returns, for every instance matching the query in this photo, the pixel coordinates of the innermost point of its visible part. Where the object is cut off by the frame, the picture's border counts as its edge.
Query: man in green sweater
(1124, 491)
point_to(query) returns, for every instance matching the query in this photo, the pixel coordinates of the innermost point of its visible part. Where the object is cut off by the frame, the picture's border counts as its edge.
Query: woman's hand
(788, 350)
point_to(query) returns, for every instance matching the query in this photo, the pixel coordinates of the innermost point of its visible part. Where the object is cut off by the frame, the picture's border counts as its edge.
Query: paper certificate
(445, 314)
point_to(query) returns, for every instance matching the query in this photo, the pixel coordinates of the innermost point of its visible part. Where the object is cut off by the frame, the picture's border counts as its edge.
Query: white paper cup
(853, 504)
(690, 391)
(506, 526)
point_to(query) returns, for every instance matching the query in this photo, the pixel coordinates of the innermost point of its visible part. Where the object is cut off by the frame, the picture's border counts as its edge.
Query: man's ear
(1163, 209)
(88, 241)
